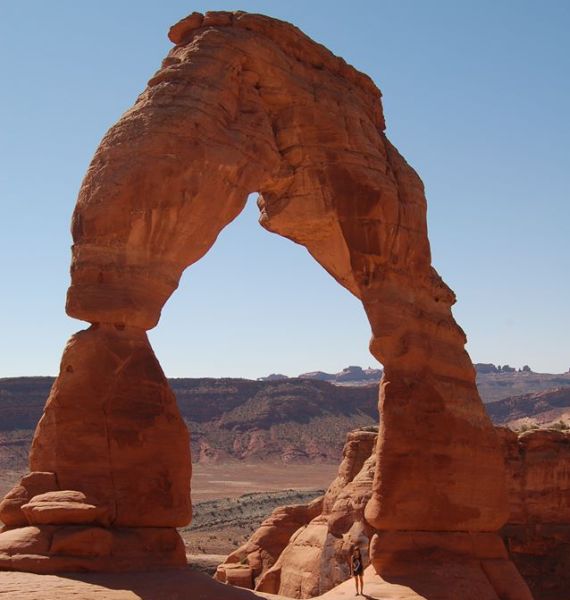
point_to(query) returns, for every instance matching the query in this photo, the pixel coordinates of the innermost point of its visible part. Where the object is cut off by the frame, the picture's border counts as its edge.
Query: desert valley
(267, 446)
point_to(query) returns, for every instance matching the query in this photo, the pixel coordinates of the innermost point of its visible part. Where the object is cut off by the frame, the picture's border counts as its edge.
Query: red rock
(315, 153)
(65, 508)
(31, 485)
(25, 540)
(39, 482)
(267, 543)
(506, 580)
(82, 541)
(112, 430)
(11, 507)
(315, 559)
(180, 30)
(51, 549)
(538, 530)
(472, 565)
(240, 576)
(247, 103)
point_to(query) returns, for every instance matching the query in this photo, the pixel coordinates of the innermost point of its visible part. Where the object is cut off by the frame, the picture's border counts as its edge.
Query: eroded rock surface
(246, 103)
(267, 543)
(111, 430)
(538, 532)
(302, 551)
(536, 537)
(316, 558)
(110, 451)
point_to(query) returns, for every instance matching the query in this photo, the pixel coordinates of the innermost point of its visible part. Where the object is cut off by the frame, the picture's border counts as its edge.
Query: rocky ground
(220, 526)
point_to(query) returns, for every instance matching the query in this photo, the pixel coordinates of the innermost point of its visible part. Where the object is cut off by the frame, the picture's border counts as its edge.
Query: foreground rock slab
(176, 584)
(186, 584)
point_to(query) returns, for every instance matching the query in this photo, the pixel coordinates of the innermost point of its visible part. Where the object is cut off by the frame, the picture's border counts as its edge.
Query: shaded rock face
(246, 103)
(538, 532)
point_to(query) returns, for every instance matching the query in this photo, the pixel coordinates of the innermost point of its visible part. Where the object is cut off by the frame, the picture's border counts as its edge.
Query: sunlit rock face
(246, 103)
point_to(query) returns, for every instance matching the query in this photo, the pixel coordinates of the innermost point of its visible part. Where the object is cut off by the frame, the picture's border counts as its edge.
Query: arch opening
(270, 306)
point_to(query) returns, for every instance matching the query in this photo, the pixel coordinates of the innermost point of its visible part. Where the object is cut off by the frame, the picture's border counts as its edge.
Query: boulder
(65, 507)
(32, 484)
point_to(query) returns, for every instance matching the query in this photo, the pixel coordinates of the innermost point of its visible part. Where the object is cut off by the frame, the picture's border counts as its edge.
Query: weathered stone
(82, 541)
(246, 103)
(25, 541)
(315, 558)
(111, 430)
(30, 485)
(328, 179)
(267, 543)
(538, 531)
(240, 576)
(55, 549)
(65, 507)
(11, 507)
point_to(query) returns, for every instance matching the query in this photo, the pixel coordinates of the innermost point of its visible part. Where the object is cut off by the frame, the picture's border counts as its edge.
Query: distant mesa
(485, 368)
(273, 377)
(352, 375)
(355, 375)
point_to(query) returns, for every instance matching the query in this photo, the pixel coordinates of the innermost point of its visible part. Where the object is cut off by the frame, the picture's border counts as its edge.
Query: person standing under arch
(357, 569)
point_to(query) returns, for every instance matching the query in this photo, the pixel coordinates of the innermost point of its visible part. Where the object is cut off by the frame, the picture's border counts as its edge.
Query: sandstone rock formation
(316, 558)
(267, 543)
(245, 103)
(110, 451)
(538, 532)
(301, 551)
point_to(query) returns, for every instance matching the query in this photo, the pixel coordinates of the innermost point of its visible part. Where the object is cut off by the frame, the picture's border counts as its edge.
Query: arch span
(246, 103)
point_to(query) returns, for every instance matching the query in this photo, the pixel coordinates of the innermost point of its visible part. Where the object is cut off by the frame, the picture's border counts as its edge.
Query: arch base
(448, 565)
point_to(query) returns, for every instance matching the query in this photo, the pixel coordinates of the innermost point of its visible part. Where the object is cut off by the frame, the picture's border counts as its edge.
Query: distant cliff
(494, 382)
(280, 420)
(547, 408)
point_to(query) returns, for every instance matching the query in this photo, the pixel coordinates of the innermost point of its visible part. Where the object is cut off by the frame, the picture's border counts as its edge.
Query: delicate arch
(245, 103)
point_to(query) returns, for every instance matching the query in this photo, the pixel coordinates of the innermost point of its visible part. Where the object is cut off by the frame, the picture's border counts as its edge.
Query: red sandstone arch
(245, 103)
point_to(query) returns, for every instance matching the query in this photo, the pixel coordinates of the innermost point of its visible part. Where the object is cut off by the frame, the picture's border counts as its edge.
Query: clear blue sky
(477, 98)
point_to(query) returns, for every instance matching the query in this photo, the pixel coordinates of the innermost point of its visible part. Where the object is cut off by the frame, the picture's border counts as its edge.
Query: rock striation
(538, 532)
(245, 103)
